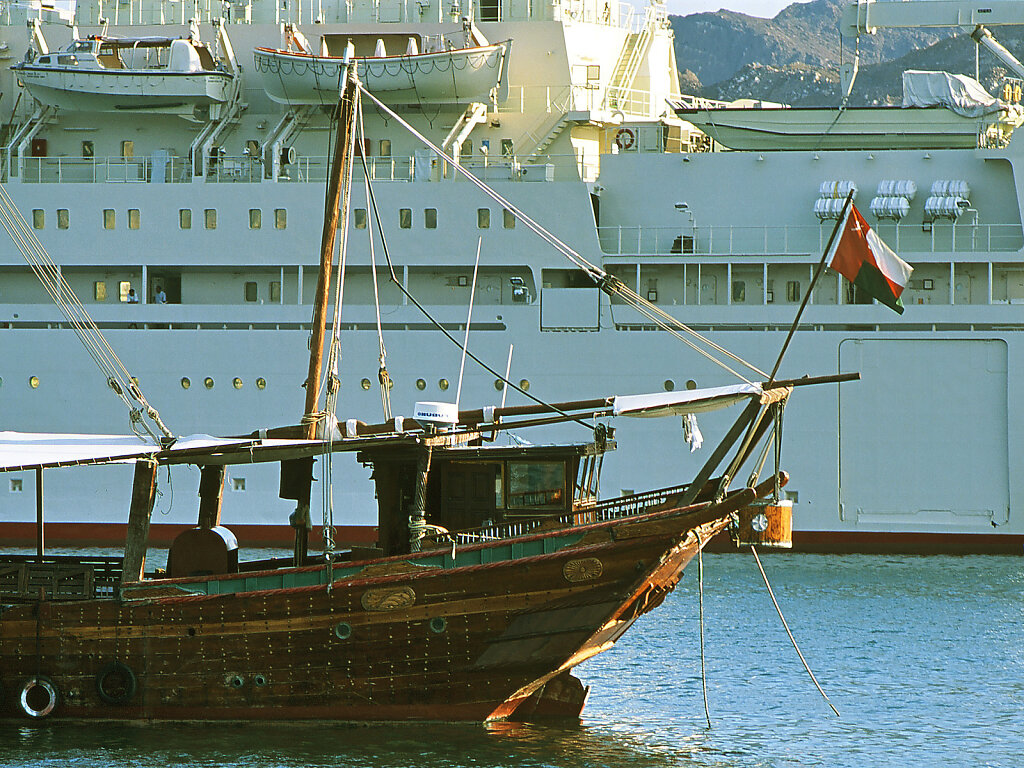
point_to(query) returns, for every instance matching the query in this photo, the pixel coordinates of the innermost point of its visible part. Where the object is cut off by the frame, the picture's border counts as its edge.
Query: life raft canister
(39, 697)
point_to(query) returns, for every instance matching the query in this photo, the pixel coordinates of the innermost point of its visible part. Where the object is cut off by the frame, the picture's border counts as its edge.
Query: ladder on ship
(632, 56)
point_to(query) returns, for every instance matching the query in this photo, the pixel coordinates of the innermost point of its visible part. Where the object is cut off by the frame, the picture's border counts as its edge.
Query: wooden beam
(40, 539)
(211, 494)
(137, 538)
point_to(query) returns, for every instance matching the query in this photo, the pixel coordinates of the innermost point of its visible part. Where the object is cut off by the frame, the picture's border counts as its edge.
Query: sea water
(922, 656)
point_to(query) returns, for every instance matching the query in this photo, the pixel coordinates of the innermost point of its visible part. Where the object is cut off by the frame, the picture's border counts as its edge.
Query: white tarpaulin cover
(691, 401)
(964, 95)
(24, 450)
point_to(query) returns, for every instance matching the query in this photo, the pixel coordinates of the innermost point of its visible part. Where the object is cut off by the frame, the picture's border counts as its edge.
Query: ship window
(524, 384)
(483, 218)
(275, 291)
(17, 485)
(255, 218)
(63, 218)
(490, 10)
(99, 290)
(793, 290)
(508, 219)
(185, 218)
(133, 218)
(385, 148)
(430, 218)
(127, 150)
(44, 59)
(536, 484)
(238, 483)
(507, 149)
(467, 147)
(280, 218)
(122, 290)
(108, 218)
(88, 149)
(405, 218)
(38, 218)
(739, 290)
(211, 218)
(359, 218)
(251, 292)
(67, 60)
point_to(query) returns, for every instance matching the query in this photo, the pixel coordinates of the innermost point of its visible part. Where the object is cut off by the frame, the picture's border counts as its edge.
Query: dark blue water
(923, 657)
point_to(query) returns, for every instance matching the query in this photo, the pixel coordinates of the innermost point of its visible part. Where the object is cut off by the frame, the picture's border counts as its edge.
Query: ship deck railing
(612, 509)
(27, 578)
(940, 236)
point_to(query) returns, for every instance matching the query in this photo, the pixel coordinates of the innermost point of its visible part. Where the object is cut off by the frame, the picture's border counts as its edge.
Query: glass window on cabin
(99, 290)
(536, 484)
(255, 218)
(251, 292)
(127, 150)
(109, 219)
(280, 218)
(359, 218)
(483, 218)
(275, 291)
(508, 219)
(134, 218)
(38, 218)
(88, 149)
(430, 218)
(739, 290)
(490, 10)
(385, 148)
(405, 218)
(185, 218)
(793, 290)
(63, 218)
(122, 290)
(210, 216)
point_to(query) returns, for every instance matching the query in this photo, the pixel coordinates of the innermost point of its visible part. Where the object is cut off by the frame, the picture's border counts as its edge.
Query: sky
(764, 8)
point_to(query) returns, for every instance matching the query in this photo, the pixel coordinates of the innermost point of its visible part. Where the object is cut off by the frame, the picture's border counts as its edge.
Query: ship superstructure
(217, 209)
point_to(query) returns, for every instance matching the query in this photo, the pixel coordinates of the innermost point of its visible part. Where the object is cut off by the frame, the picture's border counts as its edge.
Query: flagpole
(814, 280)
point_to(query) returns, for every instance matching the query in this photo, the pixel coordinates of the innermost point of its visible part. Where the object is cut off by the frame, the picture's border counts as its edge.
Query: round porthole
(438, 624)
(342, 630)
(524, 384)
(499, 384)
(669, 385)
(259, 681)
(421, 384)
(236, 383)
(442, 384)
(33, 382)
(261, 383)
(365, 384)
(691, 384)
(208, 382)
(185, 382)
(236, 681)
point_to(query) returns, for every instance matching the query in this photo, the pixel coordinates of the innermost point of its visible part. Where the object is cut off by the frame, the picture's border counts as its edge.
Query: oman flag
(859, 255)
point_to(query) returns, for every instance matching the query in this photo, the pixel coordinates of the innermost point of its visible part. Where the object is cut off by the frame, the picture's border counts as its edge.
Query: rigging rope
(118, 378)
(700, 589)
(603, 280)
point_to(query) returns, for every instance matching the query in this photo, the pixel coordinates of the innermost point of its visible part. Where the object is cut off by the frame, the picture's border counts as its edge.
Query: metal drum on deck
(766, 523)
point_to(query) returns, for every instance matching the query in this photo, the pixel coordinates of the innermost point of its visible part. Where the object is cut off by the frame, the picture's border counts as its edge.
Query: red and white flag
(859, 255)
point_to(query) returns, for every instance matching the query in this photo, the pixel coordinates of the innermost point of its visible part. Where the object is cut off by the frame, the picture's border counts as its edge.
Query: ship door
(171, 283)
(468, 495)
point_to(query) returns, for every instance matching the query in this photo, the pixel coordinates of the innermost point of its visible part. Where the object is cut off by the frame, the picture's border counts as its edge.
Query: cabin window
(44, 59)
(483, 218)
(275, 291)
(405, 218)
(88, 149)
(385, 148)
(536, 484)
(490, 10)
(210, 217)
(507, 149)
(793, 290)
(251, 292)
(467, 147)
(739, 290)
(508, 219)
(430, 218)
(63, 218)
(17, 485)
(122, 290)
(108, 218)
(99, 290)
(38, 218)
(280, 218)
(133, 218)
(255, 218)
(67, 60)
(359, 218)
(127, 150)
(237, 483)
(185, 218)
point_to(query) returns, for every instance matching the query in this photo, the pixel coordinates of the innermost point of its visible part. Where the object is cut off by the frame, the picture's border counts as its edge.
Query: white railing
(801, 239)
(101, 170)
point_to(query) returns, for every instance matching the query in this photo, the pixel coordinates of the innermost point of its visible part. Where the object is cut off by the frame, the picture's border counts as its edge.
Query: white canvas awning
(24, 450)
(691, 401)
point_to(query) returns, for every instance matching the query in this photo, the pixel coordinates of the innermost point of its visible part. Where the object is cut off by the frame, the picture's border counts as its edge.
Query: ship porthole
(208, 382)
(421, 384)
(342, 630)
(524, 384)
(499, 384)
(261, 383)
(236, 383)
(438, 624)
(116, 683)
(33, 381)
(691, 384)
(236, 681)
(442, 384)
(259, 681)
(185, 382)
(669, 385)
(365, 384)
(38, 697)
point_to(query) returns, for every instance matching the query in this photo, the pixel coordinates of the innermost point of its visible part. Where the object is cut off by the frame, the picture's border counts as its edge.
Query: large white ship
(216, 204)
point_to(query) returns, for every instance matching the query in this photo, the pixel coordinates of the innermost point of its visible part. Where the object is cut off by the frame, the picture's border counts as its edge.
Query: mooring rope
(700, 592)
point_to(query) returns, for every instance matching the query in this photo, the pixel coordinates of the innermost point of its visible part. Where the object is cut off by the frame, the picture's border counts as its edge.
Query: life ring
(39, 697)
(116, 683)
(625, 138)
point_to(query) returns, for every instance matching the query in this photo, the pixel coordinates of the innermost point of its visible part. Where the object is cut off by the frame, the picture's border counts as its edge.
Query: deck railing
(24, 578)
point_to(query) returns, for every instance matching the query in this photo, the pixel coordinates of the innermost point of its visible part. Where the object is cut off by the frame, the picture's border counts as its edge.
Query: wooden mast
(335, 210)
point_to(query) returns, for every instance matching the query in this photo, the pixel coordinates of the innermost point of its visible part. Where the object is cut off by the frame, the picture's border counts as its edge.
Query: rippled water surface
(923, 657)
